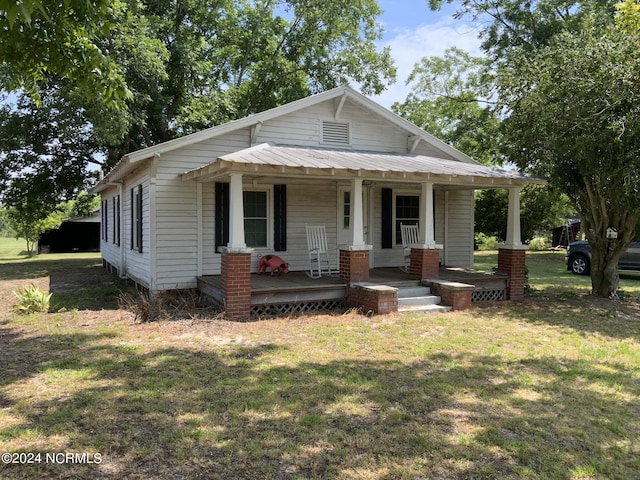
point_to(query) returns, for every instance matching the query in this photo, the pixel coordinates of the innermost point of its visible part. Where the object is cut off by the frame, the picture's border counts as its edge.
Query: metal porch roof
(317, 161)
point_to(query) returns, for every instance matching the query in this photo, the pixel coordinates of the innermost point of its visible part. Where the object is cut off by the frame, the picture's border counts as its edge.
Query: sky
(413, 31)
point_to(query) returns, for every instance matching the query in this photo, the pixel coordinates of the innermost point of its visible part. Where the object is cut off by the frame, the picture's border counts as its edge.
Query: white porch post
(357, 239)
(427, 232)
(236, 213)
(513, 220)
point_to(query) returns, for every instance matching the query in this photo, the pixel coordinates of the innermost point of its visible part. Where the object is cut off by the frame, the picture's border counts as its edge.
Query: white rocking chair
(410, 236)
(321, 259)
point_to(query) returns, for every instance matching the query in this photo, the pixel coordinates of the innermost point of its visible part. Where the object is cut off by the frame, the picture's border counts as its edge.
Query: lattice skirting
(296, 308)
(489, 295)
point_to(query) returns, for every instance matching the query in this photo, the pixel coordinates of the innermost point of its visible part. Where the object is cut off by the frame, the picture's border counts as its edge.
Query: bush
(486, 243)
(538, 244)
(170, 305)
(31, 300)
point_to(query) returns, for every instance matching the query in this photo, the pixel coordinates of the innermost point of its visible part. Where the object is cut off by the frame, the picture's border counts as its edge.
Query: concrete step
(413, 291)
(424, 300)
(416, 296)
(424, 308)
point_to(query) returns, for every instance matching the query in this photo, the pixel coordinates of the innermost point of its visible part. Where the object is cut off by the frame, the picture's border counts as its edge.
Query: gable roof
(342, 93)
(297, 161)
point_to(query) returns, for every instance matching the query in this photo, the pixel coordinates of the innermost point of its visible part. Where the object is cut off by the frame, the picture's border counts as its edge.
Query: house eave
(221, 170)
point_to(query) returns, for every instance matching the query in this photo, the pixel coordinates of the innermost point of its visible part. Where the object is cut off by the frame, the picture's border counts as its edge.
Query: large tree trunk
(604, 271)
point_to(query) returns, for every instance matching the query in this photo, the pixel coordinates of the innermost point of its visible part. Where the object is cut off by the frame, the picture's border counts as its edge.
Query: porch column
(513, 219)
(427, 232)
(354, 258)
(236, 212)
(425, 258)
(511, 254)
(357, 239)
(235, 281)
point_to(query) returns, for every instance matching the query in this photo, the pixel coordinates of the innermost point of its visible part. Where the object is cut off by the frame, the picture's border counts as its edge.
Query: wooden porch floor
(297, 281)
(295, 292)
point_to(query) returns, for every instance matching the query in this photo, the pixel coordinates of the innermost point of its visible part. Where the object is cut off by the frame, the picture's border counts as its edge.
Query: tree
(191, 65)
(83, 206)
(46, 150)
(574, 117)
(541, 209)
(28, 223)
(449, 99)
(43, 41)
(516, 25)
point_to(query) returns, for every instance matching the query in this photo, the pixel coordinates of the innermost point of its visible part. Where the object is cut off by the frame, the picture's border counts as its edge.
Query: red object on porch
(425, 263)
(512, 262)
(236, 284)
(354, 265)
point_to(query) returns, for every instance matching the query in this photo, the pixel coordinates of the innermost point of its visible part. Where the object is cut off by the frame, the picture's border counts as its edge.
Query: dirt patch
(80, 277)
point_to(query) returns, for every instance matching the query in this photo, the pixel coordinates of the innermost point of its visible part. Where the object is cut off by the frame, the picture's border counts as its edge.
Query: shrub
(31, 300)
(486, 243)
(538, 244)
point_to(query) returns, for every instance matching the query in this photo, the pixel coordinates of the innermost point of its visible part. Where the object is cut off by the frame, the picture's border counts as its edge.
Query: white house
(172, 212)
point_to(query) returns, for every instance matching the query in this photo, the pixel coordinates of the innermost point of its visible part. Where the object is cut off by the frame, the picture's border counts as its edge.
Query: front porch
(296, 293)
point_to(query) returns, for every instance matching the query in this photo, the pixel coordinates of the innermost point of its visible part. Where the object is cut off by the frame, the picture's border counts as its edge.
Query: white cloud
(409, 46)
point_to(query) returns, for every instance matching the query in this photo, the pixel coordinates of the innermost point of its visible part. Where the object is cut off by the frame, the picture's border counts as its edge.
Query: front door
(345, 216)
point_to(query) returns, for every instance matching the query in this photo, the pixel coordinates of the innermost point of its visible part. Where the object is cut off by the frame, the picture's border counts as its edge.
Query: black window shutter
(280, 218)
(221, 215)
(387, 218)
(139, 220)
(133, 217)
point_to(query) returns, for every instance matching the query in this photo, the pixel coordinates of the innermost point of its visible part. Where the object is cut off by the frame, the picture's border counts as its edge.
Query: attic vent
(335, 133)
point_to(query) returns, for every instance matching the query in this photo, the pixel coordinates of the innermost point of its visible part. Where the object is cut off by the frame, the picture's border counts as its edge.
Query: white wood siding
(109, 250)
(175, 246)
(459, 228)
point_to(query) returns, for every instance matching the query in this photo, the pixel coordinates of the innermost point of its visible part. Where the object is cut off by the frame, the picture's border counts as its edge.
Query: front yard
(544, 389)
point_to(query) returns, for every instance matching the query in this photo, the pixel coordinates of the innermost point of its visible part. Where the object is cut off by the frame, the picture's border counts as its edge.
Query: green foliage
(538, 244)
(628, 16)
(183, 66)
(573, 117)
(46, 149)
(5, 228)
(513, 25)
(192, 65)
(83, 206)
(28, 222)
(41, 41)
(485, 242)
(31, 300)
(448, 99)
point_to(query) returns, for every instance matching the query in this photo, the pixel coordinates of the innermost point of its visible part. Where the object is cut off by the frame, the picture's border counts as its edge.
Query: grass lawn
(543, 389)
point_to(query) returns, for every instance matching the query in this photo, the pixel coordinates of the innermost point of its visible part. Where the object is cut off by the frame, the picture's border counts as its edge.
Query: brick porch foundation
(236, 283)
(512, 262)
(375, 299)
(354, 264)
(424, 263)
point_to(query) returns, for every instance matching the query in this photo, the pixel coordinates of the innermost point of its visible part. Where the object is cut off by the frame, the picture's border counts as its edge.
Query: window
(265, 217)
(116, 219)
(346, 210)
(136, 218)
(407, 212)
(255, 218)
